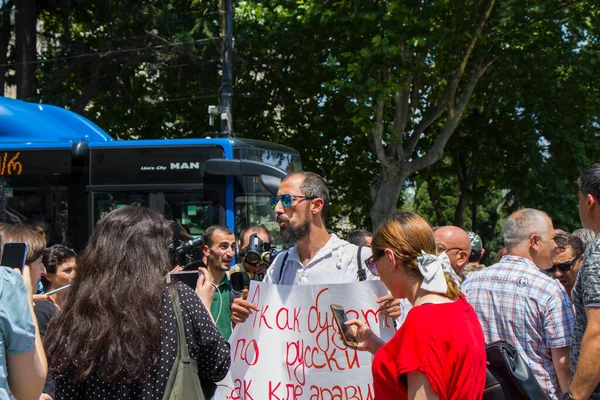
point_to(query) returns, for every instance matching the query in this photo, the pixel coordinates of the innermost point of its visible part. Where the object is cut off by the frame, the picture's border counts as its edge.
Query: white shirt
(336, 262)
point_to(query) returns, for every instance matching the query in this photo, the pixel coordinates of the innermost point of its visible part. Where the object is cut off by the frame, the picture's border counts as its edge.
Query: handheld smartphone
(14, 255)
(340, 317)
(190, 278)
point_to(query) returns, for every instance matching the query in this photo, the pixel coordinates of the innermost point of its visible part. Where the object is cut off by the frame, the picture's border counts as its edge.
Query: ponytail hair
(406, 234)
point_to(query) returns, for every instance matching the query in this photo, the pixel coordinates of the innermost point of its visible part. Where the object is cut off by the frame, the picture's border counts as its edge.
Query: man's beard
(292, 233)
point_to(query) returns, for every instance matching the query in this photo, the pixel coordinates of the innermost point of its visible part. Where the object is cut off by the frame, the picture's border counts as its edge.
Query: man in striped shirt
(518, 303)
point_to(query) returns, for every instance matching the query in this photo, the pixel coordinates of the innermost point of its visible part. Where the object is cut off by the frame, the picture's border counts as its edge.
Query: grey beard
(291, 234)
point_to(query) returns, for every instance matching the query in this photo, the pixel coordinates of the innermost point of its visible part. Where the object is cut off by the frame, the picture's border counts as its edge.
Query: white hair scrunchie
(432, 268)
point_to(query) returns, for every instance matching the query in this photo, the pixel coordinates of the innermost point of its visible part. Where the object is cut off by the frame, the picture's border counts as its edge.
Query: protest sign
(290, 349)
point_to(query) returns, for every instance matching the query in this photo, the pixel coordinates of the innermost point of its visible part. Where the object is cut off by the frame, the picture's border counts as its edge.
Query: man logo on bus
(185, 165)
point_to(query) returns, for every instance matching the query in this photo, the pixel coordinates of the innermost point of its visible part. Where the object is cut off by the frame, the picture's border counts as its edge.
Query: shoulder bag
(508, 376)
(184, 381)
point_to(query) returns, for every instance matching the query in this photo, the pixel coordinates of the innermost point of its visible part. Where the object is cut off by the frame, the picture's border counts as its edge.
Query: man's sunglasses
(371, 262)
(563, 267)
(286, 200)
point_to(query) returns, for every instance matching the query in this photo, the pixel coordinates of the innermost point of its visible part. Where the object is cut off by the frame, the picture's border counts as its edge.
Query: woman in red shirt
(439, 351)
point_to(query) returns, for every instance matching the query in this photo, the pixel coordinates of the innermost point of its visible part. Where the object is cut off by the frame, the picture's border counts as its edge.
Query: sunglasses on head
(563, 267)
(286, 200)
(371, 262)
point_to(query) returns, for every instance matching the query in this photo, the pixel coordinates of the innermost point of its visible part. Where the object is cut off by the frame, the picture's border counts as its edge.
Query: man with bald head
(520, 304)
(455, 242)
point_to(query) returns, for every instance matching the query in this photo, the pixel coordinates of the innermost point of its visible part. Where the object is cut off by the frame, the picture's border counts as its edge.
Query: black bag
(508, 376)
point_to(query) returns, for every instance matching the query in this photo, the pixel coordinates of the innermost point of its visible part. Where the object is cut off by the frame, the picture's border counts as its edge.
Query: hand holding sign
(242, 308)
(389, 306)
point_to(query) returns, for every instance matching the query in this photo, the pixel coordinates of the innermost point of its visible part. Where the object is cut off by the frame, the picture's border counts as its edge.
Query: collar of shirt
(332, 244)
(224, 282)
(508, 259)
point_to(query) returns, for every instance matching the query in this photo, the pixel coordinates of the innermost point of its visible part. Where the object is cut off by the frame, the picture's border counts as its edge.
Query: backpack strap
(283, 264)
(182, 349)
(360, 272)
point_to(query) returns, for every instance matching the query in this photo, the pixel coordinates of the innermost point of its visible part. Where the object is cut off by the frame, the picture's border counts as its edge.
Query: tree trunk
(385, 193)
(434, 196)
(26, 48)
(5, 30)
(459, 211)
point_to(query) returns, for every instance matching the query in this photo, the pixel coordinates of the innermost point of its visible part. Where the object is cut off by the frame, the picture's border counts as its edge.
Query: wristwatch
(568, 396)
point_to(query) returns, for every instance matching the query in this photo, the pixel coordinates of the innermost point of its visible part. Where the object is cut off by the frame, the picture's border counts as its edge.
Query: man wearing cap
(477, 253)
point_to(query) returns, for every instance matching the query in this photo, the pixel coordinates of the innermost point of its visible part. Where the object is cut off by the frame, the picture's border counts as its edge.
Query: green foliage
(312, 74)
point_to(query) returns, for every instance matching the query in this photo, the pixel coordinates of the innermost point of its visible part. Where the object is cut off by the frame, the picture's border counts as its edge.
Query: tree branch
(437, 150)
(462, 65)
(378, 134)
(401, 115)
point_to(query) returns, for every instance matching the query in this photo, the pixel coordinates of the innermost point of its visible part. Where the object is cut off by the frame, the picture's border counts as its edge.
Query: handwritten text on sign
(290, 349)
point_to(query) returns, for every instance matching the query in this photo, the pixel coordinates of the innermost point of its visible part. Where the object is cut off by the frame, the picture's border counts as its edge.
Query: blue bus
(63, 169)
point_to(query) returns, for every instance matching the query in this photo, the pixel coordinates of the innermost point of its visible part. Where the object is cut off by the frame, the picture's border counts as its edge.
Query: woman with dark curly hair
(116, 335)
(439, 351)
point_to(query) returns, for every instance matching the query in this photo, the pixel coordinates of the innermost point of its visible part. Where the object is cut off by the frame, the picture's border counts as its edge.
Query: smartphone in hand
(14, 255)
(190, 278)
(340, 317)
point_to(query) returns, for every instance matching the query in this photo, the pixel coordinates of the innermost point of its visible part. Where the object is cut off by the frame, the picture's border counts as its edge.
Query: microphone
(237, 283)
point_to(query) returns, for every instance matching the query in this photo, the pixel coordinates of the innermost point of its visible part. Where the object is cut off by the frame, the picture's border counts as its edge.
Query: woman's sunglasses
(371, 262)
(286, 200)
(563, 267)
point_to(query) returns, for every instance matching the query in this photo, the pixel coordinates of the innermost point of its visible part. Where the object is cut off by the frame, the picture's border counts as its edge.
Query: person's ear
(317, 205)
(592, 201)
(205, 250)
(534, 241)
(392, 259)
(49, 277)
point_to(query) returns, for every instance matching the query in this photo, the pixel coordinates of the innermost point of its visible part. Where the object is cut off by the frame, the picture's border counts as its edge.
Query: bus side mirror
(269, 176)
(271, 183)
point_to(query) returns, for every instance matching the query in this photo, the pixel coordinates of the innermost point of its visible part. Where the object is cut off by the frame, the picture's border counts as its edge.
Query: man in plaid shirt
(518, 303)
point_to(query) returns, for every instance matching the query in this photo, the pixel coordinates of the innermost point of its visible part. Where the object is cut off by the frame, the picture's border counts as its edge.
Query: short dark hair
(313, 185)
(207, 236)
(589, 181)
(255, 229)
(53, 257)
(563, 240)
(358, 237)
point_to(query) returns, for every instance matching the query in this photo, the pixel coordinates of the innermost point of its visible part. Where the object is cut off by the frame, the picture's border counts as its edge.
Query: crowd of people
(110, 327)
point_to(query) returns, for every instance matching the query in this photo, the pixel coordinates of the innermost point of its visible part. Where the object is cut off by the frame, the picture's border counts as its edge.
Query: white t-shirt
(336, 262)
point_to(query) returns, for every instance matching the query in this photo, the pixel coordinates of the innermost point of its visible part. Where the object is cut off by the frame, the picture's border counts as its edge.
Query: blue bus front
(72, 183)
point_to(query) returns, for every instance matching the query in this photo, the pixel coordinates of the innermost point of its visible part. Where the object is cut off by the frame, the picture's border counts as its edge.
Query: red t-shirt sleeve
(421, 352)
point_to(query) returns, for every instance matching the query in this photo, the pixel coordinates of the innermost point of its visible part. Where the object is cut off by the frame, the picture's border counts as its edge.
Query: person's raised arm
(27, 370)
(587, 376)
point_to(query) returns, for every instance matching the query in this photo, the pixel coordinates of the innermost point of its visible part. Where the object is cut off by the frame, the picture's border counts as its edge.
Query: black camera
(186, 254)
(259, 251)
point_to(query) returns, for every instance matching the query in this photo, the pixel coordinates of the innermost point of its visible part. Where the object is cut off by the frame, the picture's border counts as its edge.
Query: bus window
(107, 202)
(194, 211)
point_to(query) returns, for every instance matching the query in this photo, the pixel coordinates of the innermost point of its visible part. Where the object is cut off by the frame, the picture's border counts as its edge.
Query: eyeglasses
(371, 262)
(444, 250)
(563, 267)
(286, 200)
